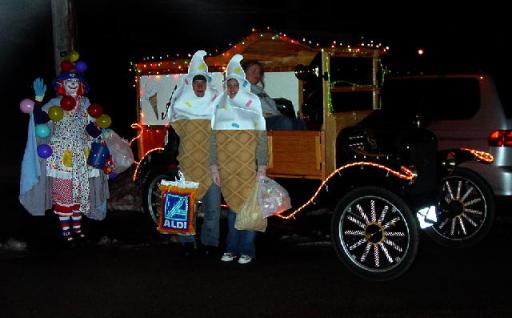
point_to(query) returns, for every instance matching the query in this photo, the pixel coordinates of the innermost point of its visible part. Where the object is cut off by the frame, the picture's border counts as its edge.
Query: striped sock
(64, 225)
(77, 227)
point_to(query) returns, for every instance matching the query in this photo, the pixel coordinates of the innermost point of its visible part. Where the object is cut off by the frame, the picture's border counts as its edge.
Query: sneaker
(66, 236)
(228, 257)
(244, 259)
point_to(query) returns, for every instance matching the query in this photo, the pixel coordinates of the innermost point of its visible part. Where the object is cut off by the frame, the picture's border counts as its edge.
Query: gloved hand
(262, 172)
(214, 170)
(39, 89)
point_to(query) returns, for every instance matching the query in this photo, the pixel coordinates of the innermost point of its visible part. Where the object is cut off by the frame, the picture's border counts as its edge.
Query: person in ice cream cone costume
(191, 111)
(55, 171)
(238, 154)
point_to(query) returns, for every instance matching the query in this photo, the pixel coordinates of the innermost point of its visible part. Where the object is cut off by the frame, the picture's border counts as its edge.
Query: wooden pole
(63, 23)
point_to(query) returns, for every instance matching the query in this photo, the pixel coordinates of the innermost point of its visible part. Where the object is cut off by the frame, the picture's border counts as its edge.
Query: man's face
(253, 74)
(233, 88)
(199, 87)
(71, 86)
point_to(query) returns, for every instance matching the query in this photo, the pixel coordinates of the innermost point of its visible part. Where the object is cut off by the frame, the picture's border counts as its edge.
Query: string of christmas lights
(404, 174)
(481, 155)
(152, 66)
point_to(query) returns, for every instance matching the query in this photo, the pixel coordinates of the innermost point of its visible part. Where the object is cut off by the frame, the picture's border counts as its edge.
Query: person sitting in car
(274, 119)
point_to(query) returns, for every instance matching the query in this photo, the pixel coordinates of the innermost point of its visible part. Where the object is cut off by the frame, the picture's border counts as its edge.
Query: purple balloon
(80, 66)
(44, 151)
(27, 105)
(112, 175)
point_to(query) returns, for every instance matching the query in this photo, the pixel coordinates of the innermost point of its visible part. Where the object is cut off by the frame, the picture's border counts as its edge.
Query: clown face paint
(71, 86)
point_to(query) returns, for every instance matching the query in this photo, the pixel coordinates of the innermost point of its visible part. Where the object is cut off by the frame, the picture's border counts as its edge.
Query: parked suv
(462, 110)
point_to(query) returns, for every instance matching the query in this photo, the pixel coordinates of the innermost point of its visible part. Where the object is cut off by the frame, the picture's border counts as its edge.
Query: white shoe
(244, 259)
(228, 257)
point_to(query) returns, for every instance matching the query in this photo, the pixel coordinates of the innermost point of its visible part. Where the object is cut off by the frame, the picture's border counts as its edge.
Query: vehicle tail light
(500, 138)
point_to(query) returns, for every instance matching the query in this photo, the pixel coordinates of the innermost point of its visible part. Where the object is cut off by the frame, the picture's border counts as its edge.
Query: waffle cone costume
(237, 124)
(236, 151)
(193, 151)
(190, 117)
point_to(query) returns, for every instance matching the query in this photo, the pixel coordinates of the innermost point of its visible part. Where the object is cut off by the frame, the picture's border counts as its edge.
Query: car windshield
(351, 72)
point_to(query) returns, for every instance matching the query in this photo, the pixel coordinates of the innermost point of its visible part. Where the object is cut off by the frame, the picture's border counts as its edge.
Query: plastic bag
(272, 197)
(122, 155)
(177, 211)
(250, 218)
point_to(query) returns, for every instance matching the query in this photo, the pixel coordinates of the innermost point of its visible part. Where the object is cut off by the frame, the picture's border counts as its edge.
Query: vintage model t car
(379, 178)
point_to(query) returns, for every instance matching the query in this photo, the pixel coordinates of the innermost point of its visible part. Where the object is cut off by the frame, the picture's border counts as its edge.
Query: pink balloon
(27, 105)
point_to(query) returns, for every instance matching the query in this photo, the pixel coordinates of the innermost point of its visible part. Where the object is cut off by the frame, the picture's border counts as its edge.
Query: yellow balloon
(74, 56)
(104, 121)
(55, 113)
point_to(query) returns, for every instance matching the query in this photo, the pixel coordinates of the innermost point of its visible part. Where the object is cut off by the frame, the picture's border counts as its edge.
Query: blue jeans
(210, 227)
(239, 242)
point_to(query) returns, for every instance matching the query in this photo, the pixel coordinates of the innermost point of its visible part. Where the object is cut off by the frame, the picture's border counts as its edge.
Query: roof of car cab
(278, 52)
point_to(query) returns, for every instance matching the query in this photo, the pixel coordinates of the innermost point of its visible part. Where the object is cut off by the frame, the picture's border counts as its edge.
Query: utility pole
(64, 30)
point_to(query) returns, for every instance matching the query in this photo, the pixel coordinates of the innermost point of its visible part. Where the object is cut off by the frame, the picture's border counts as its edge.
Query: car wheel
(152, 197)
(375, 234)
(466, 210)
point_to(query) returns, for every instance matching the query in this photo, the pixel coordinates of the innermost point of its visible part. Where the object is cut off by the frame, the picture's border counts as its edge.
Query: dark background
(455, 36)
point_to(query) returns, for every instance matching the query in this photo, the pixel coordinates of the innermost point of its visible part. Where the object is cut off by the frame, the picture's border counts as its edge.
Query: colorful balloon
(55, 113)
(95, 110)
(42, 130)
(74, 56)
(27, 105)
(104, 121)
(80, 66)
(66, 66)
(67, 103)
(44, 151)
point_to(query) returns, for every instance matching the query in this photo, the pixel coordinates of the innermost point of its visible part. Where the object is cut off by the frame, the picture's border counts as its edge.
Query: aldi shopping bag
(177, 211)
(250, 218)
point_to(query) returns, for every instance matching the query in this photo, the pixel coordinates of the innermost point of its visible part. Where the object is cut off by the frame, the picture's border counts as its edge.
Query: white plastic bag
(122, 155)
(272, 197)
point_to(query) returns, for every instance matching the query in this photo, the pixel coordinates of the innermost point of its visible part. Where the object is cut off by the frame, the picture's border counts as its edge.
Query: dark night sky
(112, 33)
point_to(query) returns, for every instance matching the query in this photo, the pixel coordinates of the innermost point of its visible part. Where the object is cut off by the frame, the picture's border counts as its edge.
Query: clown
(63, 180)
(191, 109)
(239, 154)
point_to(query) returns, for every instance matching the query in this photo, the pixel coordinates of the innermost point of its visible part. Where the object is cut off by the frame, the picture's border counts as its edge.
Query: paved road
(127, 270)
(144, 275)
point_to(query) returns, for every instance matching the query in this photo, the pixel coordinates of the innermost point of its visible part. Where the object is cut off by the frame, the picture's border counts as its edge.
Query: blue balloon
(42, 131)
(80, 66)
(44, 151)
